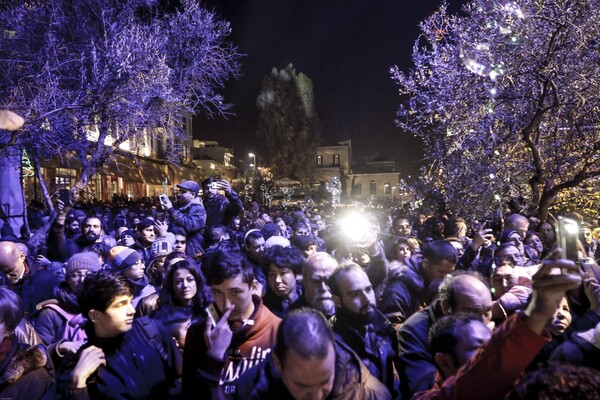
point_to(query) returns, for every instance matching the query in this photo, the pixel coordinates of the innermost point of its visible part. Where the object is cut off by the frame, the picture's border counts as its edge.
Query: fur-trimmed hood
(19, 363)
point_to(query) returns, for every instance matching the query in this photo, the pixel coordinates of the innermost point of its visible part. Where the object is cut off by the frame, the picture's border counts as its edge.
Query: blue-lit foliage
(506, 97)
(110, 70)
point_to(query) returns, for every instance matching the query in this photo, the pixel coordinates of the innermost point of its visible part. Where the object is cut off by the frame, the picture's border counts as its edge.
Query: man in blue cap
(190, 216)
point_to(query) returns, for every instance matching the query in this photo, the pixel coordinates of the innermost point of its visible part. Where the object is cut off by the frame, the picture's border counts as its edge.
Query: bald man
(33, 288)
(316, 270)
(458, 293)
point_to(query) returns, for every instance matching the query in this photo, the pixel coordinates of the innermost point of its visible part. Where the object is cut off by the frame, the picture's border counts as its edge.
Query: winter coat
(352, 380)
(417, 369)
(191, 218)
(49, 324)
(207, 378)
(25, 373)
(143, 363)
(405, 293)
(376, 346)
(220, 209)
(34, 288)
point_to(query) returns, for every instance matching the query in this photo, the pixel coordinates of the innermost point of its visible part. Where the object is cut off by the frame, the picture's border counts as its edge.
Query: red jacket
(207, 378)
(496, 367)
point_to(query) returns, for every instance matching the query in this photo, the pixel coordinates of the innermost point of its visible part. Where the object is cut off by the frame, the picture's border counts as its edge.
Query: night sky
(346, 47)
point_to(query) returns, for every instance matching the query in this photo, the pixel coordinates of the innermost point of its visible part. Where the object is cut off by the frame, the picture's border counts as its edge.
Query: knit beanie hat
(86, 260)
(122, 258)
(129, 232)
(158, 249)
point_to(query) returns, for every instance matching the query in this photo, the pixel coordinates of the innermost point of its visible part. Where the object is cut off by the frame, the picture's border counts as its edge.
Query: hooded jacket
(207, 378)
(405, 292)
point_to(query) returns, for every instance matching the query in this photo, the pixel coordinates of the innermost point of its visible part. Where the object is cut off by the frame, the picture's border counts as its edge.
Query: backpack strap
(149, 331)
(66, 315)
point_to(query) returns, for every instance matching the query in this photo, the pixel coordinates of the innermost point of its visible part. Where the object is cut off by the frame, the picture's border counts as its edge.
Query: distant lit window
(387, 189)
(319, 161)
(65, 177)
(336, 160)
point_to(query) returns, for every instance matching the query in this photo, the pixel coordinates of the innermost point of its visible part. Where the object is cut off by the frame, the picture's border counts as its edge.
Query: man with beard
(316, 270)
(190, 216)
(220, 209)
(362, 327)
(254, 250)
(62, 248)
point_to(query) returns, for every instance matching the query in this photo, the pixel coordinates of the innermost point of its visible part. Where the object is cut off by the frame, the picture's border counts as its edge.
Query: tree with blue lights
(506, 98)
(90, 75)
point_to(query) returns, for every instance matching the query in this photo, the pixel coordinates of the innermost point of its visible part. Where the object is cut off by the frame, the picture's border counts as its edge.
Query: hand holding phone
(64, 195)
(213, 315)
(165, 202)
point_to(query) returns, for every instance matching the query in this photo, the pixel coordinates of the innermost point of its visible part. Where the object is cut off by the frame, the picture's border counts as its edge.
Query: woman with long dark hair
(183, 298)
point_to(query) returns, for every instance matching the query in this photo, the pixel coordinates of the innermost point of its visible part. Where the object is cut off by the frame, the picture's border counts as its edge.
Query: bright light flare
(355, 227)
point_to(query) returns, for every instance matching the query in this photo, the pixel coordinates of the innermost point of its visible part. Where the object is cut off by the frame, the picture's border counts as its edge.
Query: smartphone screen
(213, 315)
(567, 237)
(65, 196)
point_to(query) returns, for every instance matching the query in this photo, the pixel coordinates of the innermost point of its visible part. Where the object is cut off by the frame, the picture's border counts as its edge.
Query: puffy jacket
(404, 294)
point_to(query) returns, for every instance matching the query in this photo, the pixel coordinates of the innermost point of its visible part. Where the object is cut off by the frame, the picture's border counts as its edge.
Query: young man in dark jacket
(123, 358)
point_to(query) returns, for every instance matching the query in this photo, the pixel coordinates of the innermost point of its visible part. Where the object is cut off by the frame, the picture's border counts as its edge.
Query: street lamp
(253, 165)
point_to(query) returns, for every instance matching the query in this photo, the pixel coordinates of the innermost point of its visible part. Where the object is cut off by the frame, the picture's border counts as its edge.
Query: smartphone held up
(567, 238)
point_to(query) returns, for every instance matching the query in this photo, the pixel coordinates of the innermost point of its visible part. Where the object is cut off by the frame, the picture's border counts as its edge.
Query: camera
(214, 185)
(162, 198)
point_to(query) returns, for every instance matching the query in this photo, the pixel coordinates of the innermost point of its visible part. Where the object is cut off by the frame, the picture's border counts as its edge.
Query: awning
(123, 167)
(153, 173)
(180, 173)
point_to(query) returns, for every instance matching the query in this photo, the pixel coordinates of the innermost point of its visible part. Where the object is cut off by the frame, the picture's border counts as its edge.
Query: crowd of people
(200, 296)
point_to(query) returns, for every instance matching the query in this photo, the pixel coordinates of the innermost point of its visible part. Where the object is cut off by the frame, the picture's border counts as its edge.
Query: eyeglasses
(79, 275)
(179, 241)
